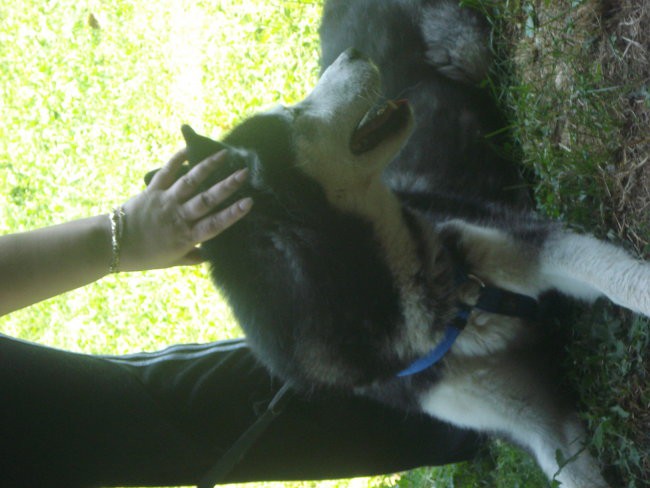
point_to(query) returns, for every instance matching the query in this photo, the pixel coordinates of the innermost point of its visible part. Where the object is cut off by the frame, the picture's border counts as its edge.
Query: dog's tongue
(374, 127)
(199, 147)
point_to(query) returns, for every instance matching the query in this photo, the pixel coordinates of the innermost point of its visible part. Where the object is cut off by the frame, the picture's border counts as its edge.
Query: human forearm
(43, 263)
(160, 227)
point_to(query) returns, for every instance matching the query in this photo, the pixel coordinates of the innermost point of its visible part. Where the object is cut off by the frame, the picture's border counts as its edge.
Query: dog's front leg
(580, 266)
(585, 267)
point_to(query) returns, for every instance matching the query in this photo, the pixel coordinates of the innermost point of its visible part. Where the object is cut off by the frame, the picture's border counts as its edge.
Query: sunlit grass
(93, 95)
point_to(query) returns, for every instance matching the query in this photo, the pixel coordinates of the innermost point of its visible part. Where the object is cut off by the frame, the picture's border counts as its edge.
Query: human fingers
(168, 174)
(205, 202)
(212, 225)
(187, 185)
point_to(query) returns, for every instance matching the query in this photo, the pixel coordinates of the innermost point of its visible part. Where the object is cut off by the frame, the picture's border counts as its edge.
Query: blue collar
(452, 331)
(492, 300)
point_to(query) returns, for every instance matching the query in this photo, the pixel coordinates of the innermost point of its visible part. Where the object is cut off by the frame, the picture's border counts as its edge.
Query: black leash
(233, 456)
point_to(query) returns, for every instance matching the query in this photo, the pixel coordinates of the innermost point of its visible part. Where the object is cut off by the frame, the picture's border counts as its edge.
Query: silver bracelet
(117, 228)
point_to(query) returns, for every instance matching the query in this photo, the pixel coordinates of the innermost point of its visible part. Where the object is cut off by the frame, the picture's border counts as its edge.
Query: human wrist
(95, 253)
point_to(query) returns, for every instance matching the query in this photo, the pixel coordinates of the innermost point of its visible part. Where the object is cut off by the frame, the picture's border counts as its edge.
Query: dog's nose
(354, 54)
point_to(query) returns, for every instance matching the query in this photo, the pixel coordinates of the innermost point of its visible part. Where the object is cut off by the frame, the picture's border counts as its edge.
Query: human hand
(163, 225)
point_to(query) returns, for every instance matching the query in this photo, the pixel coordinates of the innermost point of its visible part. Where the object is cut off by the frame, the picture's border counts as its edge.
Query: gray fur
(457, 41)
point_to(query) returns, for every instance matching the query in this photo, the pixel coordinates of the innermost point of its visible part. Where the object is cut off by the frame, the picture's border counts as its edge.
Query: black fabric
(164, 418)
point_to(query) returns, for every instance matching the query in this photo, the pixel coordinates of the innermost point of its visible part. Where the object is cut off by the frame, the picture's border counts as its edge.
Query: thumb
(195, 256)
(192, 258)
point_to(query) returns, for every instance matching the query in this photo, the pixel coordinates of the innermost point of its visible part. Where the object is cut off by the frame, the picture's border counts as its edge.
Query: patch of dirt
(616, 34)
(625, 59)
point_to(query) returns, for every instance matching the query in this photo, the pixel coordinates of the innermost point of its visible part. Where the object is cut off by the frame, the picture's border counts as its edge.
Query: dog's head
(340, 137)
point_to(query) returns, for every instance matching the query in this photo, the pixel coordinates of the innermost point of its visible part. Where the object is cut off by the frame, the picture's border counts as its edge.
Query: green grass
(572, 131)
(85, 112)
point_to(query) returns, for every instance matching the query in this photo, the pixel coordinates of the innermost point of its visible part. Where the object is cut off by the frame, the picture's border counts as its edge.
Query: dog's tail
(457, 40)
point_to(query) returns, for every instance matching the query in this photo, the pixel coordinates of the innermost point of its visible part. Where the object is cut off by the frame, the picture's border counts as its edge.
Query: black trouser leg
(165, 418)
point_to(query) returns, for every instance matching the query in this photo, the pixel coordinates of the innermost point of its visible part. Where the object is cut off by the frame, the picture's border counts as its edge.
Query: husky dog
(364, 264)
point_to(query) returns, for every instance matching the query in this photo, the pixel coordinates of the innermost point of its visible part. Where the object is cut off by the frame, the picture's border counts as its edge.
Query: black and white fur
(343, 273)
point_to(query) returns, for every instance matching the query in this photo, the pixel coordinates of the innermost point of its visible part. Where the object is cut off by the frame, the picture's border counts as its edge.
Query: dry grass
(626, 63)
(574, 76)
(582, 108)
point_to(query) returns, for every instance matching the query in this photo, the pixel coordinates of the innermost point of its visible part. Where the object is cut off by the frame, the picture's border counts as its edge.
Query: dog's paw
(457, 41)
(631, 286)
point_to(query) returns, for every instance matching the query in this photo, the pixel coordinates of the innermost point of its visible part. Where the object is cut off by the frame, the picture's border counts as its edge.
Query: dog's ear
(149, 176)
(199, 147)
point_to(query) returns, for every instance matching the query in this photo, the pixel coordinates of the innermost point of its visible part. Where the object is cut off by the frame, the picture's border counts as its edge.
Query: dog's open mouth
(377, 125)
